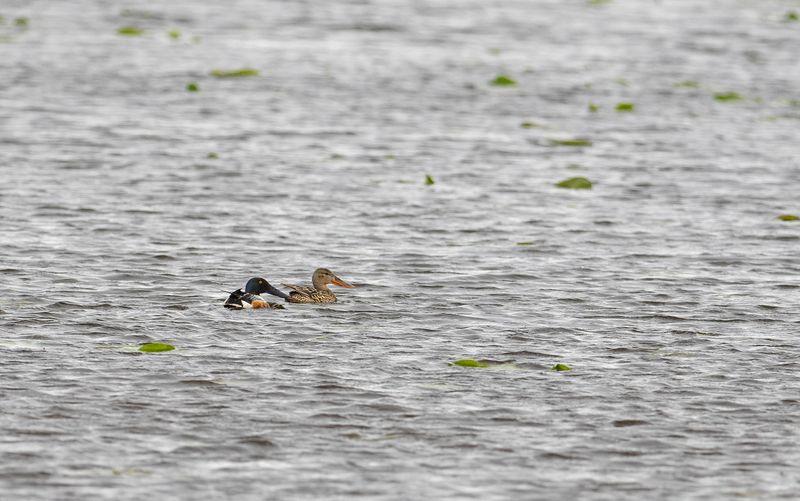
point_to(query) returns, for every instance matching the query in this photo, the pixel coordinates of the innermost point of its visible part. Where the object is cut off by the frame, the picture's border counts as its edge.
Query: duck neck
(319, 284)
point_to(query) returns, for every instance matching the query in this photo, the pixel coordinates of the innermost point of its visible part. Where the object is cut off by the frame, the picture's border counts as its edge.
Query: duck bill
(275, 292)
(341, 283)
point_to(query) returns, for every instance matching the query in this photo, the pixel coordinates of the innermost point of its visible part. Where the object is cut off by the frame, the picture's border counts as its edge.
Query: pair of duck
(318, 293)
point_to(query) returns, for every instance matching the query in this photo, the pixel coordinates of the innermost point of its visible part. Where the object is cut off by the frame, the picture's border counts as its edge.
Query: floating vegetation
(788, 217)
(174, 34)
(727, 96)
(21, 22)
(593, 108)
(791, 17)
(688, 84)
(621, 81)
(503, 81)
(561, 367)
(598, 2)
(242, 72)
(212, 155)
(575, 183)
(130, 31)
(429, 180)
(155, 347)
(570, 142)
(470, 363)
(528, 125)
(625, 107)
(527, 242)
(192, 87)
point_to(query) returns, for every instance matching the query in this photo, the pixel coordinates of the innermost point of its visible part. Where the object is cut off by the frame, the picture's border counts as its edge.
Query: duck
(319, 293)
(250, 298)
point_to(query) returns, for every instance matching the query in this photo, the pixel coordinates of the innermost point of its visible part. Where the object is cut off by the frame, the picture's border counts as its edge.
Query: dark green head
(260, 285)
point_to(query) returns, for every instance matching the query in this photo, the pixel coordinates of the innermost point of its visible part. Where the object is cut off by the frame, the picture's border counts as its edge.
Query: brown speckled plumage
(319, 293)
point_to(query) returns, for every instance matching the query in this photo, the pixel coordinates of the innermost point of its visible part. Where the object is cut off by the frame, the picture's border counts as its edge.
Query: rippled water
(671, 288)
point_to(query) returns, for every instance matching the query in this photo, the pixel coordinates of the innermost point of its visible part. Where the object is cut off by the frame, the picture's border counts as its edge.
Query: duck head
(258, 285)
(323, 276)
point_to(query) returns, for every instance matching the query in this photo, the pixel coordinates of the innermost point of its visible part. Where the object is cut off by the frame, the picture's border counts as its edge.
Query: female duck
(319, 293)
(250, 298)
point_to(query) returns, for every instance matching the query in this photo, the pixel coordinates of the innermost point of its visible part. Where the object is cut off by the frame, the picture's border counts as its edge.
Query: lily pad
(470, 363)
(503, 81)
(727, 96)
(130, 31)
(561, 367)
(570, 142)
(155, 347)
(429, 180)
(575, 183)
(788, 217)
(791, 17)
(625, 107)
(242, 72)
(192, 87)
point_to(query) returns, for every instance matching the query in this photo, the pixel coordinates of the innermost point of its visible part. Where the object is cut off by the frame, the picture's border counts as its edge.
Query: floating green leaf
(242, 72)
(192, 87)
(788, 217)
(503, 81)
(155, 347)
(528, 125)
(212, 155)
(575, 183)
(593, 108)
(570, 142)
(791, 17)
(561, 367)
(625, 107)
(470, 363)
(689, 84)
(429, 180)
(727, 96)
(174, 34)
(527, 242)
(598, 2)
(21, 22)
(130, 31)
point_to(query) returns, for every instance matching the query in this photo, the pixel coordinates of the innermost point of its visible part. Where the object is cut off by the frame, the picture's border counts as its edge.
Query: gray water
(671, 288)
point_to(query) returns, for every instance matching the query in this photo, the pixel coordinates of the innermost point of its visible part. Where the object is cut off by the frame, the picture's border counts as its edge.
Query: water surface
(671, 287)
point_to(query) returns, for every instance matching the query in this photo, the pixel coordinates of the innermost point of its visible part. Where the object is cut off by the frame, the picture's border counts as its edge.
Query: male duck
(319, 293)
(250, 298)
